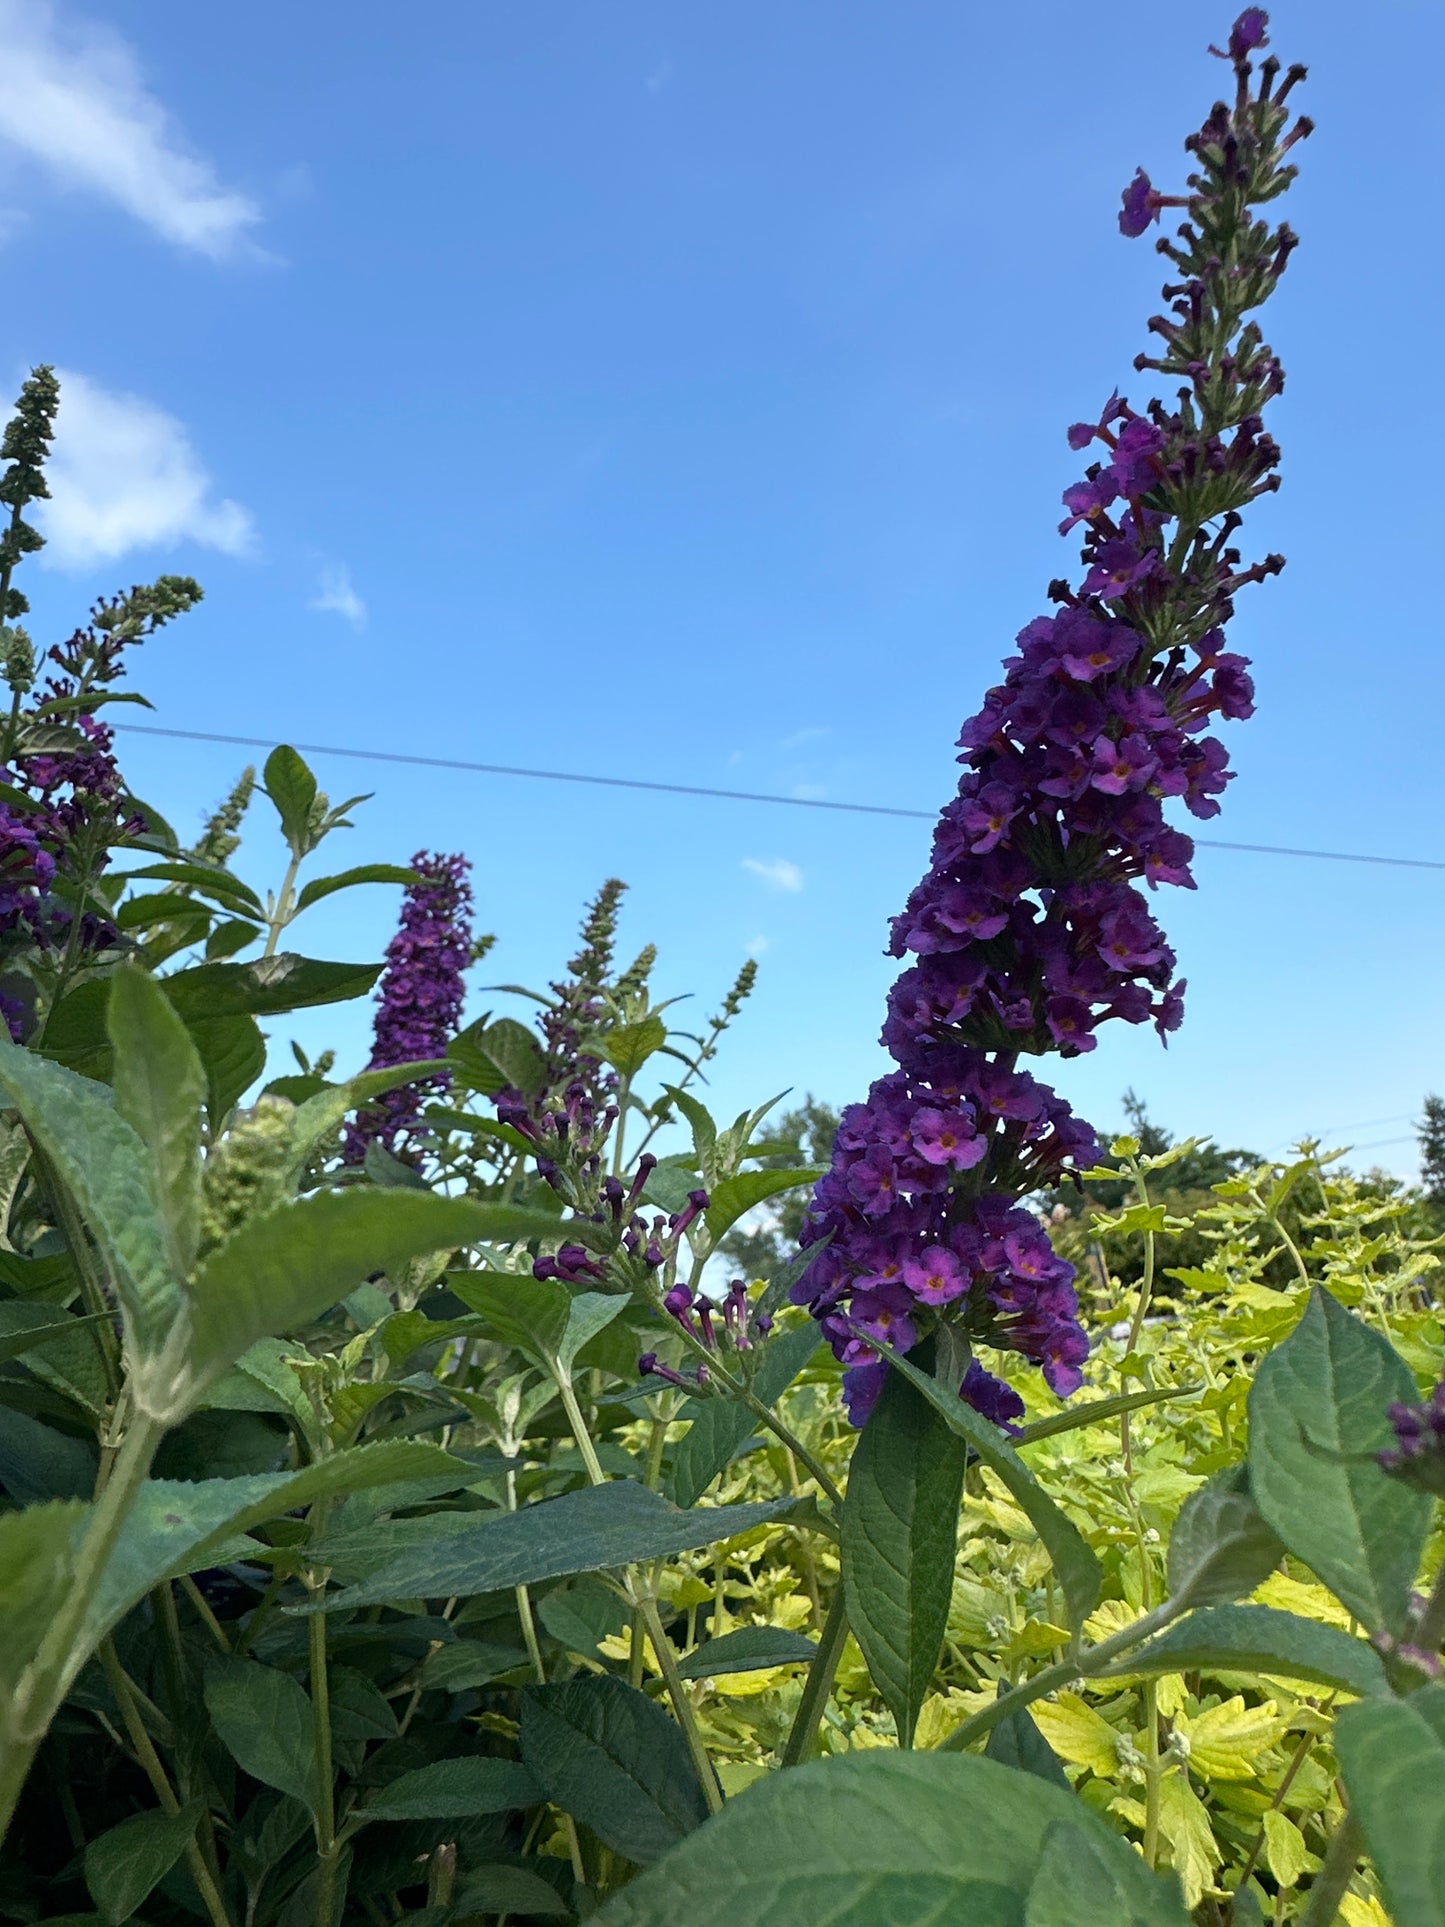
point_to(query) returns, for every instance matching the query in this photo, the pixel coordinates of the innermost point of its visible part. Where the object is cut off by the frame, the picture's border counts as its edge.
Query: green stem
(1085, 1665)
(326, 1843)
(203, 1612)
(682, 1704)
(818, 1684)
(282, 912)
(579, 1427)
(1430, 1633)
(780, 1430)
(140, 1739)
(92, 1289)
(1329, 1885)
(520, 1593)
(64, 1648)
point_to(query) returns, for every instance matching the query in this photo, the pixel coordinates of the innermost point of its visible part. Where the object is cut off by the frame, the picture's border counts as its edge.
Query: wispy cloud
(811, 734)
(74, 100)
(758, 946)
(775, 871)
(123, 476)
(337, 597)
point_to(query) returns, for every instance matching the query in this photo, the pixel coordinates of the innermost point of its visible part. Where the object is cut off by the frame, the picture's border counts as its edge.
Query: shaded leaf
(1392, 1757)
(320, 887)
(123, 1865)
(1017, 1742)
(263, 1718)
(1220, 1548)
(750, 1649)
(37, 1559)
(454, 1790)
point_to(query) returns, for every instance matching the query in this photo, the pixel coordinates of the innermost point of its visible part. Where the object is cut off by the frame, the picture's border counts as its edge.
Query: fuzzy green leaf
(160, 1087)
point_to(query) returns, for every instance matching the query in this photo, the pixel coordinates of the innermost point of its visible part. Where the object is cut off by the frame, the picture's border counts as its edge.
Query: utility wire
(698, 789)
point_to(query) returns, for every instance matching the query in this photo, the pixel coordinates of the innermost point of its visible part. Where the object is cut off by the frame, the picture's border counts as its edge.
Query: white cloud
(123, 476)
(812, 734)
(758, 946)
(74, 100)
(337, 597)
(809, 792)
(776, 871)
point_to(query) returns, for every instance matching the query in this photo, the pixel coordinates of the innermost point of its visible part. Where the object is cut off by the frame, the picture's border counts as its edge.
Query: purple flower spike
(1032, 927)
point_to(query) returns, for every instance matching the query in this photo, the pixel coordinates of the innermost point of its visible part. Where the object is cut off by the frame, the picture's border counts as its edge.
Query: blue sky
(680, 392)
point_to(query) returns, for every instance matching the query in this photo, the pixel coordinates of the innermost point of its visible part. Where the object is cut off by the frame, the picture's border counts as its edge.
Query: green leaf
(37, 1559)
(900, 1527)
(122, 1866)
(1074, 1561)
(610, 1757)
(104, 1164)
(1096, 1411)
(733, 1197)
(627, 1047)
(1318, 1413)
(24, 1327)
(178, 1526)
(589, 1313)
(468, 1663)
(582, 1615)
(292, 788)
(233, 1055)
(1257, 1639)
(507, 1891)
(1220, 1548)
(289, 1265)
(207, 882)
(721, 1428)
(489, 1057)
(227, 938)
(320, 887)
(530, 1314)
(159, 1089)
(750, 1649)
(618, 1524)
(454, 1790)
(39, 1463)
(1392, 1757)
(264, 1720)
(267, 986)
(704, 1129)
(319, 1113)
(1017, 1742)
(1075, 1886)
(883, 1839)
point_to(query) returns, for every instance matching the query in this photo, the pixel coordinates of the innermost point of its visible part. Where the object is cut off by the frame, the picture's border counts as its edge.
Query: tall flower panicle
(419, 1002)
(1030, 928)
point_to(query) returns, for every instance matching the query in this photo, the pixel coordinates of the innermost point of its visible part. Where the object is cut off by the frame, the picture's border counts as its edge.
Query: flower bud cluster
(1030, 928)
(732, 1327)
(1418, 1456)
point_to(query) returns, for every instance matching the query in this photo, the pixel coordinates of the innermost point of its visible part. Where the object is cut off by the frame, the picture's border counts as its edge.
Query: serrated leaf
(591, 1530)
(749, 1649)
(1392, 1758)
(104, 1164)
(125, 1864)
(879, 1838)
(1184, 1822)
(1078, 1733)
(734, 1197)
(1227, 1740)
(1239, 1639)
(627, 1047)
(493, 1056)
(1074, 1561)
(1220, 1548)
(610, 1757)
(900, 1525)
(453, 1790)
(264, 1719)
(320, 887)
(289, 1265)
(159, 1088)
(1318, 1414)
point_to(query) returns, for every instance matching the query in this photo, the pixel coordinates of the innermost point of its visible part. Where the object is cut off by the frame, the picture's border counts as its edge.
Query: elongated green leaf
(720, 1428)
(900, 1528)
(1097, 1411)
(454, 1790)
(589, 1313)
(733, 1197)
(1257, 1639)
(883, 1837)
(610, 1757)
(1076, 1885)
(320, 1114)
(1017, 1742)
(320, 887)
(159, 1089)
(580, 1616)
(1074, 1561)
(38, 1462)
(1392, 1756)
(704, 1129)
(470, 1662)
(750, 1649)
(1318, 1413)
(1220, 1548)
(180, 1525)
(617, 1524)
(219, 884)
(233, 1055)
(266, 987)
(37, 1559)
(293, 1263)
(24, 1327)
(122, 1866)
(264, 1720)
(291, 786)
(527, 1313)
(489, 1056)
(508, 1890)
(104, 1164)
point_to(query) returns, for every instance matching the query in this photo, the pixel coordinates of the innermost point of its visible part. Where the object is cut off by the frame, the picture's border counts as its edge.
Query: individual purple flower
(1031, 928)
(1141, 206)
(419, 1000)
(991, 1396)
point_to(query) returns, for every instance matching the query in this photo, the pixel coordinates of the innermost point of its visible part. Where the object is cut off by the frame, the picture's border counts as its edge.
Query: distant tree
(1431, 1129)
(755, 1249)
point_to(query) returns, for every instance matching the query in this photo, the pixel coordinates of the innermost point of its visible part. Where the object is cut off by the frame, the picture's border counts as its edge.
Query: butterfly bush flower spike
(1033, 925)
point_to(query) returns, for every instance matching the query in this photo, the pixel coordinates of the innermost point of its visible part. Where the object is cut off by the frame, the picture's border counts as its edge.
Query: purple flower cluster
(1418, 1455)
(1030, 928)
(419, 1003)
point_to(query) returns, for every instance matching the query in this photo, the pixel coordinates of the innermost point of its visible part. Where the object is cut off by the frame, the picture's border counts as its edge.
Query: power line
(698, 789)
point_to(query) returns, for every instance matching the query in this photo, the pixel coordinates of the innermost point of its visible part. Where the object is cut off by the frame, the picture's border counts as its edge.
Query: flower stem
(818, 1684)
(682, 1704)
(1328, 1888)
